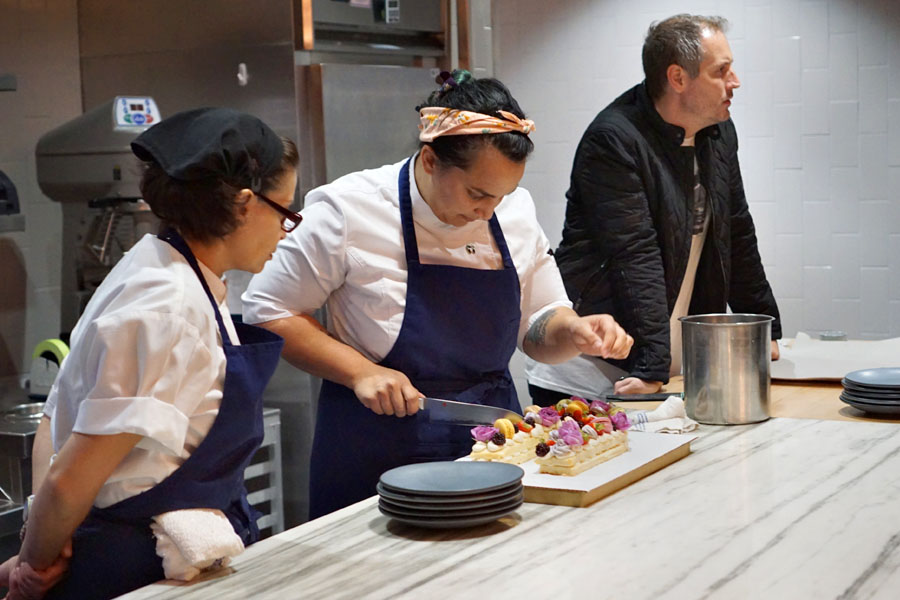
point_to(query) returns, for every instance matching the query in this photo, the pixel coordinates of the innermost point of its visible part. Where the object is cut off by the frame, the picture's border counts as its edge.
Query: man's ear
(677, 78)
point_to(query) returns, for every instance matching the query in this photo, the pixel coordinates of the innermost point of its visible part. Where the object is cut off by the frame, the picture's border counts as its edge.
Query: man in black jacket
(657, 225)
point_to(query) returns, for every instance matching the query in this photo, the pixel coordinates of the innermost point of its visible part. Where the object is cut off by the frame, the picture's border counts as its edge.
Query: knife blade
(640, 397)
(464, 413)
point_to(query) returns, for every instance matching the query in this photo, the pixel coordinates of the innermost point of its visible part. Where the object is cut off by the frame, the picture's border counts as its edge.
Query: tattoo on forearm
(537, 333)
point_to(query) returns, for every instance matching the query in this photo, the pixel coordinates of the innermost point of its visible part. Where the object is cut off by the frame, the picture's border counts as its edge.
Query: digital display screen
(136, 107)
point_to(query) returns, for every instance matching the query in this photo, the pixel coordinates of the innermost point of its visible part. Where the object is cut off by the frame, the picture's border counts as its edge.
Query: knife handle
(421, 403)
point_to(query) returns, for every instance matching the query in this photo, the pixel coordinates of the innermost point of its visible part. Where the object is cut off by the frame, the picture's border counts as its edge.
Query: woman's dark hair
(204, 209)
(486, 96)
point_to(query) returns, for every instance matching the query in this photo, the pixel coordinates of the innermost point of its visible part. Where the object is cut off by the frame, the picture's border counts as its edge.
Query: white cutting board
(806, 358)
(647, 453)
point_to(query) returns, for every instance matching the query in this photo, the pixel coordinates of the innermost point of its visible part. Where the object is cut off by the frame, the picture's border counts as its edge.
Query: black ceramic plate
(510, 504)
(449, 523)
(440, 502)
(887, 378)
(451, 478)
(869, 399)
(881, 409)
(398, 502)
(855, 390)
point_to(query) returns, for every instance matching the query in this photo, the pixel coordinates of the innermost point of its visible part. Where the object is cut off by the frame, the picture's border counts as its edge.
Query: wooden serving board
(647, 453)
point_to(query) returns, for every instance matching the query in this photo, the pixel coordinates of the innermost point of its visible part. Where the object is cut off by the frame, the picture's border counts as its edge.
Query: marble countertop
(789, 508)
(796, 400)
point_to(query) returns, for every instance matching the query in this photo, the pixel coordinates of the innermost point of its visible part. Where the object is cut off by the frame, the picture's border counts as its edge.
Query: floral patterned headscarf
(435, 121)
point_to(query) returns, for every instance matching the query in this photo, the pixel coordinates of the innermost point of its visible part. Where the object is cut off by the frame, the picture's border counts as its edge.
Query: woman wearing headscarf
(432, 270)
(157, 409)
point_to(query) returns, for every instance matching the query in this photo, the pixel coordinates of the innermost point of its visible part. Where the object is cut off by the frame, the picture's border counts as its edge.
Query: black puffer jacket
(627, 234)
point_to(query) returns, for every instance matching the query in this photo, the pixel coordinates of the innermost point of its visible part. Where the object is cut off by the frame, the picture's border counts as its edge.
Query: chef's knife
(640, 397)
(464, 413)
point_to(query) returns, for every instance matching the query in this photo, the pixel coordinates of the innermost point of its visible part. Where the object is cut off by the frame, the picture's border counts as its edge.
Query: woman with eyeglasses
(433, 270)
(157, 409)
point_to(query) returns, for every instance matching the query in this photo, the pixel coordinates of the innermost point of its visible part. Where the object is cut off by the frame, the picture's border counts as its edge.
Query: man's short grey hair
(675, 41)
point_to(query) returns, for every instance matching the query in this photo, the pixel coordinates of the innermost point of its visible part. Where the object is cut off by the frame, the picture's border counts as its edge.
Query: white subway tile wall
(845, 263)
(894, 266)
(818, 116)
(841, 16)
(787, 70)
(789, 197)
(842, 68)
(873, 99)
(787, 147)
(815, 160)
(814, 99)
(843, 122)
(893, 130)
(814, 33)
(39, 45)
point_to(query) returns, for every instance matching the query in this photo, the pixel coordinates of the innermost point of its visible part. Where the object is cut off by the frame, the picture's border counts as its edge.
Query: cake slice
(504, 443)
(575, 448)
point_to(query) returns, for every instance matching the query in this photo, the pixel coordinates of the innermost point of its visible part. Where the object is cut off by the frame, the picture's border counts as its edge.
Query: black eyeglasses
(289, 219)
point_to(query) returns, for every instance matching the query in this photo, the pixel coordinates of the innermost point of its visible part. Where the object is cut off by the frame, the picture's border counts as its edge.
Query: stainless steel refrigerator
(348, 101)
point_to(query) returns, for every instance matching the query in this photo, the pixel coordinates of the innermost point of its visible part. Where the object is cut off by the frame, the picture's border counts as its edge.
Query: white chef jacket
(348, 255)
(146, 358)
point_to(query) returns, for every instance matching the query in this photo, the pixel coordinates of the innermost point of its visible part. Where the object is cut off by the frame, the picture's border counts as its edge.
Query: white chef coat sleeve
(50, 402)
(540, 281)
(309, 264)
(150, 371)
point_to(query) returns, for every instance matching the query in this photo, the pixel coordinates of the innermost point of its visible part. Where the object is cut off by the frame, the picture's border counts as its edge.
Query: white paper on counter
(808, 358)
(642, 448)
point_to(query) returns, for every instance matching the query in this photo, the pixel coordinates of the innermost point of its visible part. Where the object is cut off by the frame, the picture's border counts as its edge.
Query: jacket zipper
(590, 284)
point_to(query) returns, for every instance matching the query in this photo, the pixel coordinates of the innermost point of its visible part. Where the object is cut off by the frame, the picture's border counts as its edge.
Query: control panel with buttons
(136, 112)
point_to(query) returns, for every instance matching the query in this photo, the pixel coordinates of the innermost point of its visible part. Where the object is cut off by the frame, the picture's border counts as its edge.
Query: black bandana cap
(212, 142)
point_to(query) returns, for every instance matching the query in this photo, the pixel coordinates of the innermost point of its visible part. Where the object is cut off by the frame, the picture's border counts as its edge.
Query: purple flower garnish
(599, 407)
(570, 433)
(619, 419)
(548, 416)
(483, 433)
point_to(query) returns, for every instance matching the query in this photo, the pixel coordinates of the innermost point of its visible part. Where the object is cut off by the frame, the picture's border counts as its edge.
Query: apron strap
(410, 243)
(501, 242)
(406, 217)
(174, 238)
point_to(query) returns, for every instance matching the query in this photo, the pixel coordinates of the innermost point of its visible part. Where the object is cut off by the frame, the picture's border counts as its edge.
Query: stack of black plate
(450, 494)
(873, 390)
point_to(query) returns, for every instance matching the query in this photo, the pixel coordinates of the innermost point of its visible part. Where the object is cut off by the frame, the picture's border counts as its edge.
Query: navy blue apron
(459, 331)
(113, 550)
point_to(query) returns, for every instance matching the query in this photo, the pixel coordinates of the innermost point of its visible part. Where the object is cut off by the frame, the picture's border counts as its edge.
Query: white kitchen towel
(193, 540)
(668, 417)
